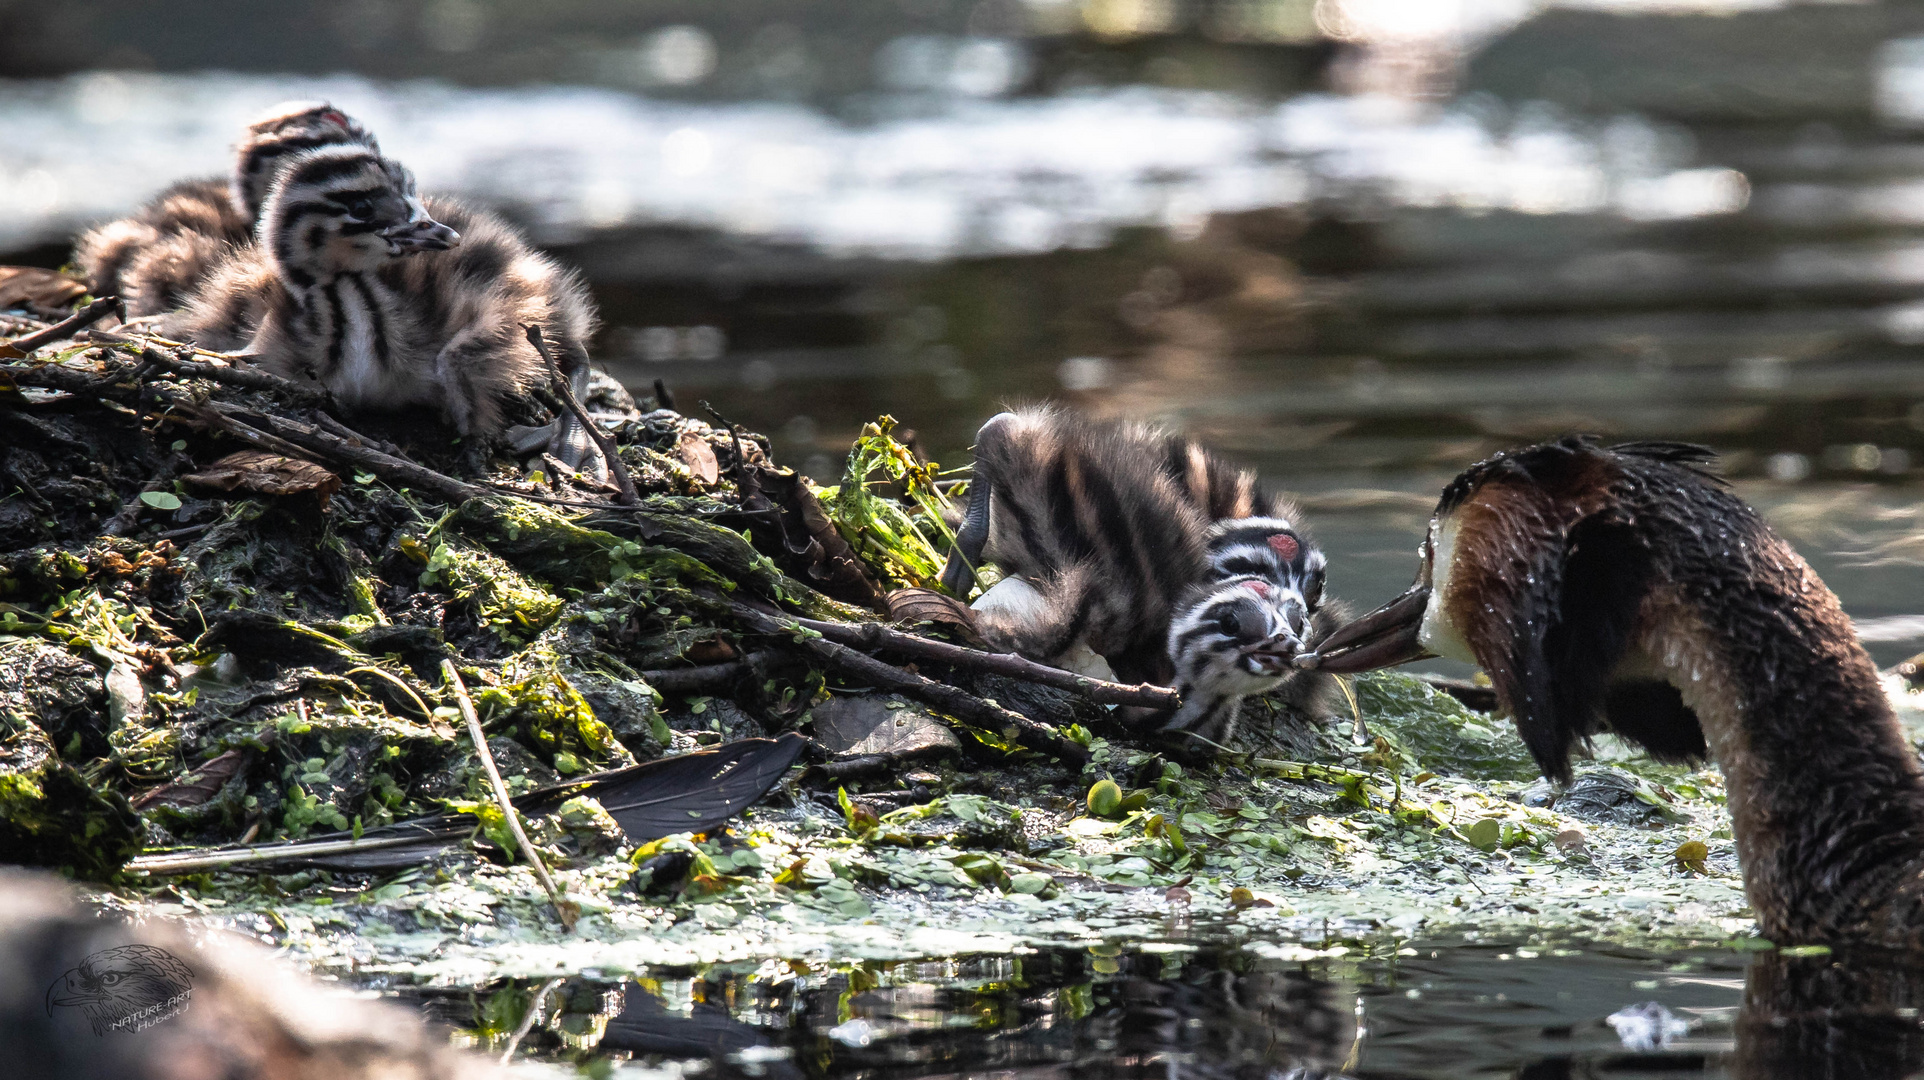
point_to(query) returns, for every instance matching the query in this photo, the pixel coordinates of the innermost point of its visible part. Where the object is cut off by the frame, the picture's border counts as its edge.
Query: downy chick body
(154, 258)
(1147, 550)
(329, 293)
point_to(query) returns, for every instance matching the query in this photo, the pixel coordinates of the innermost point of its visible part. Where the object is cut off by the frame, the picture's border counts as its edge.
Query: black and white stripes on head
(351, 284)
(156, 257)
(1231, 640)
(344, 209)
(290, 128)
(1146, 549)
(1269, 548)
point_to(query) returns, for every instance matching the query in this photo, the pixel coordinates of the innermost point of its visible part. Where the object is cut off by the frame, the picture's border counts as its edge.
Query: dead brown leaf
(912, 607)
(44, 292)
(196, 787)
(699, 457)
(258, 472)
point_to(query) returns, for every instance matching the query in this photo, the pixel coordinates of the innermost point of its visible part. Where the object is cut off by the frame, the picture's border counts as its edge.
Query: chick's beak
(424, 234)
(1275, 654)
(1383, 638)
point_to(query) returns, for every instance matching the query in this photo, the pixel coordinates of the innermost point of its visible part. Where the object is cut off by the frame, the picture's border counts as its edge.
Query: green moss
(1437, 732)
(506, 602)
(543, 710)
(902, 548)
(51, 816)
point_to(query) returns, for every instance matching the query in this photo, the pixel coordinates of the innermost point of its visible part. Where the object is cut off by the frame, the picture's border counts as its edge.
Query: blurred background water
(1359, 243)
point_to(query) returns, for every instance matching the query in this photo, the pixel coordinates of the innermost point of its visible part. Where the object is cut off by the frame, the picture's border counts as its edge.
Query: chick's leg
(569, 441)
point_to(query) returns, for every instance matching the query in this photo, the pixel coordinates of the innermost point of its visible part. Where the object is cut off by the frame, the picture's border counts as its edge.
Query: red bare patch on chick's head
(335, 117)
(1284, 545)
(1260, 588)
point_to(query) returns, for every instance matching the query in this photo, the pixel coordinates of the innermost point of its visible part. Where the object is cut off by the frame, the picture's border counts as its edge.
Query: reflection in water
(1055, 1013)
(1849, 1015)
(1220, 1013)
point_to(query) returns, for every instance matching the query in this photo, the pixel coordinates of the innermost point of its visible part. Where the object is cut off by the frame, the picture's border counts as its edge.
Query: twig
(68, 326)
(871, 637)
(528, 1019)
(682, 680)
(246, 433)
(626, 483)
(948, 699)
(63, 378)
(331, 425)
(563, 907)
(196, 862)
(245, 376)
(395, 470)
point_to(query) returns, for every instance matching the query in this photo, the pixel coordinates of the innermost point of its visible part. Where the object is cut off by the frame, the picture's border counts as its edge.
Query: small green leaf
(1105, 799)
(161, 500)
(1484, 834)
(1029, 883)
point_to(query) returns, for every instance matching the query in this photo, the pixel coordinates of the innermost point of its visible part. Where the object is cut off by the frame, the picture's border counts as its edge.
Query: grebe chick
(327, 293)
(1626, 589)
(154, 258)
(1106, 530)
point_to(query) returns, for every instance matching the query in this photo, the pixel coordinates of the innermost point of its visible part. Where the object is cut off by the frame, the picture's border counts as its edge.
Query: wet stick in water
(563, 907)
(528, 1019)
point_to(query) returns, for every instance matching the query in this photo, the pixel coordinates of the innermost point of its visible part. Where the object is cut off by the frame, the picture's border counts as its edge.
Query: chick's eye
(1226, 622)
(361, 208)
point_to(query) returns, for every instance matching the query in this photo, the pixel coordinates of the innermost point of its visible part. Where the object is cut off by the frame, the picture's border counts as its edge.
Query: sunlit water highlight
(934, 178)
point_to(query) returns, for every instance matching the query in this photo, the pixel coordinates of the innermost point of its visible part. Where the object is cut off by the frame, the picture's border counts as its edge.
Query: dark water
(1389, 1011)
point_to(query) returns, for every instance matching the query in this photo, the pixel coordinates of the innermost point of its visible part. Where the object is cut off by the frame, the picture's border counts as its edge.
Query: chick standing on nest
(328, 293)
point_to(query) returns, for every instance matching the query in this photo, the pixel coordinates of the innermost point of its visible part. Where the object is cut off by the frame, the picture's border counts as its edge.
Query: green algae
(51, 815)
(903, 546)
(1340, 855)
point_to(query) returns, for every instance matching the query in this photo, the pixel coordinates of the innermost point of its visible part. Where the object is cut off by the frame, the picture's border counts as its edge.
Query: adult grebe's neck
(1825, 795)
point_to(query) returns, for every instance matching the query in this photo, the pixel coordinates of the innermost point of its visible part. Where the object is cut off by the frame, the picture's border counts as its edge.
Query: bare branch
(68, 326)
(877, 637)
(567, 909)
(945, 698)
(626, 483)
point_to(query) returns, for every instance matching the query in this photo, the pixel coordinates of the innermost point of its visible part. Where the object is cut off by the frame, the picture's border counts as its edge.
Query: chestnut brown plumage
(1627, 589)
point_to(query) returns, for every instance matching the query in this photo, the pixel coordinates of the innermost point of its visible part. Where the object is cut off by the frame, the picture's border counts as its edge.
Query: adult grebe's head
(1534, 568)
